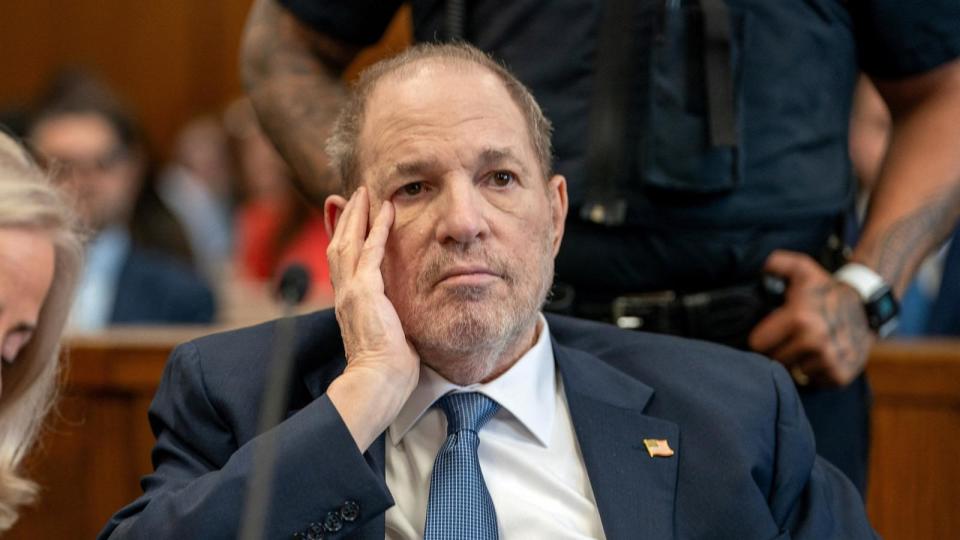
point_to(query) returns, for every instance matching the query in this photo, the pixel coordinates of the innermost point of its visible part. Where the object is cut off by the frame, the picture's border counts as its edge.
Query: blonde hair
(29, 201)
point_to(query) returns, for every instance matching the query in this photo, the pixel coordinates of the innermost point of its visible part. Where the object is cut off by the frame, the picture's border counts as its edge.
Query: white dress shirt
(205, 218)
(104, 258)
(528, 453)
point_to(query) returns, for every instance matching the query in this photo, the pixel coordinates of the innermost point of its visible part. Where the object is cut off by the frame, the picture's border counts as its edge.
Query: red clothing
(258, 226)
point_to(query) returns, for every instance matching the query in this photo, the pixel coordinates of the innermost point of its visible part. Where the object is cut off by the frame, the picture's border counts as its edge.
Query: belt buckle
(631, 312)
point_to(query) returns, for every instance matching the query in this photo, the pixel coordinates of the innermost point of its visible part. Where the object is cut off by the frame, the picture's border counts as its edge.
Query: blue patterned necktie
(460, 506)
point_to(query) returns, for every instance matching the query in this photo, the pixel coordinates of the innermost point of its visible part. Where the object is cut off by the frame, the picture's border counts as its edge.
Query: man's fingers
(790, 265)
(807, 371)
(350, 233)
(341, 219)
(335, 248)
(817, 372)
(339, 231)
(373, 247)
(356, 225)
(772, 332)
(800, 348)
(813, 366)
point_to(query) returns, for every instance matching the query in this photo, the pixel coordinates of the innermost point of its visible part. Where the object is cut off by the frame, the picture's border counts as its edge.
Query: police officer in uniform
(705, 145)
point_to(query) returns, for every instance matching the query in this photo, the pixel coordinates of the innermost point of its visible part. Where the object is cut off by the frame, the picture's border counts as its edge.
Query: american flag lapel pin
(658, 447)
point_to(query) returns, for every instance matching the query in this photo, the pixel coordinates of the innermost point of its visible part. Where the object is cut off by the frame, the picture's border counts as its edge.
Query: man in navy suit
(441, 259)
(93, 147)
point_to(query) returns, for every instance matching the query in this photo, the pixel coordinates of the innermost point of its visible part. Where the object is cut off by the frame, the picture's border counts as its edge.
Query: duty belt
(723, 315)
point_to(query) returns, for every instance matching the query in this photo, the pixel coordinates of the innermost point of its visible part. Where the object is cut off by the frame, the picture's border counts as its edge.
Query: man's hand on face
(820, 334)
(382, 365)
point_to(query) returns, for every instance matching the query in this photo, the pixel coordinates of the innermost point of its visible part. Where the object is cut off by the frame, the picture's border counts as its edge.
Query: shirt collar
(527, 391)
(106, 251)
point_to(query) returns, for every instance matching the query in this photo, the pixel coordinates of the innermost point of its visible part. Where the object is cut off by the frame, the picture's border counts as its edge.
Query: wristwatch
(878, 301)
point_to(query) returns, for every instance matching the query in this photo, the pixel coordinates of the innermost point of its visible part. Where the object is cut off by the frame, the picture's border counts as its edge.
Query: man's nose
(462, 217)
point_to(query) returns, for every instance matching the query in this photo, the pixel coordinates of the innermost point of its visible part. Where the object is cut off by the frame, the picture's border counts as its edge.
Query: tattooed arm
(292, 75)
(821, 333)
(916, 203)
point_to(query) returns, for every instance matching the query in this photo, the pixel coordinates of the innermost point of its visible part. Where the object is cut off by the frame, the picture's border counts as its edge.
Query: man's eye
(412, 189)
(503, 178)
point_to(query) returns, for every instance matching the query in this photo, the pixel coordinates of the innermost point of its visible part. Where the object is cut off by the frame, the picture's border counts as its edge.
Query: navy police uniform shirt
(699, 215)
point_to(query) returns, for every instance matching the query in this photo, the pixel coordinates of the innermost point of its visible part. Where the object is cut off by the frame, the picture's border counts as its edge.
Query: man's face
(469, 259)
(91, 165)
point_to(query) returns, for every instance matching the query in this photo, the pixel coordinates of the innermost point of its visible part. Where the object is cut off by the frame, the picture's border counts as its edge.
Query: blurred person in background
(275, 226)
(40, 260)
(197, 186)
(92, 146)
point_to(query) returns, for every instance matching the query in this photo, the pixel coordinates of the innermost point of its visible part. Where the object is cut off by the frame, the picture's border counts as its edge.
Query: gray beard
(470, 338)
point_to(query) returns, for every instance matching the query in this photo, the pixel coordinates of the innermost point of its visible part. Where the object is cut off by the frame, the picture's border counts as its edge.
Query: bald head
(343, 146)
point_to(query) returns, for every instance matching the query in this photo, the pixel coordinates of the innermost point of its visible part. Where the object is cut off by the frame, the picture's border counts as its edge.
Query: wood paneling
(914, 483)
(170, 59)
(99, 446)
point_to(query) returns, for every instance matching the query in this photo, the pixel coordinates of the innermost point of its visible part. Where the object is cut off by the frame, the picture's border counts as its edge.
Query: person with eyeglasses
(92, 148)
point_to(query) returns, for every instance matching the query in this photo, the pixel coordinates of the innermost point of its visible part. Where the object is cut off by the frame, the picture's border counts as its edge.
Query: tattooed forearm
(916, 202)
(275, 44)
(897, 251)
(293, 79)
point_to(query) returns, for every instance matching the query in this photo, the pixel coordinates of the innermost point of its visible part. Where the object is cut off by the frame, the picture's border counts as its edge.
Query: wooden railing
(99, 443)
(914, 484)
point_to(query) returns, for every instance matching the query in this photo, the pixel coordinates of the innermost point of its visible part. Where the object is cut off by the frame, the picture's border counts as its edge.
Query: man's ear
(557, 192)
(332, 207)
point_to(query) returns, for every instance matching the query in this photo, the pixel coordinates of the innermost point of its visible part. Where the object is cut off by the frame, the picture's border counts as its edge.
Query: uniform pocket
(678, 151)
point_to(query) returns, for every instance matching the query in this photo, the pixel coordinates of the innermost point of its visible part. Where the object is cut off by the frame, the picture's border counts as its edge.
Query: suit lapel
(635, 492)
(317, 381)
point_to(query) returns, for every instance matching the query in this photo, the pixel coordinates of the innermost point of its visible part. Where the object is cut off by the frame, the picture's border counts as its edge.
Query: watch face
(882, 310)
(885, 307)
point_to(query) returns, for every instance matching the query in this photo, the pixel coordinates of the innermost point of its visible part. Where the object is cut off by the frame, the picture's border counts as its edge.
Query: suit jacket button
(332, 523)
(350, 511)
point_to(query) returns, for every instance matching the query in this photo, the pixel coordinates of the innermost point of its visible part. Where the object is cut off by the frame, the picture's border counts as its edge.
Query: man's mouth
(468, 275)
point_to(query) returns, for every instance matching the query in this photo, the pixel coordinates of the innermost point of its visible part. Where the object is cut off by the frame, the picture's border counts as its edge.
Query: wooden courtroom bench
(914, 482)
(99, 442)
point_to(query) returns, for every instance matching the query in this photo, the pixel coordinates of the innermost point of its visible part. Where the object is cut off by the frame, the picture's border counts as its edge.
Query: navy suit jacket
(744, 464)
(153, 288)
